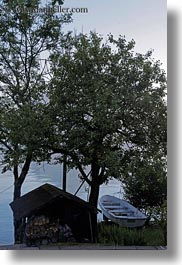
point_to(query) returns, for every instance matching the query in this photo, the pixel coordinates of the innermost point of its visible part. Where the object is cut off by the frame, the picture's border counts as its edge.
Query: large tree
(108, 106)
(26, 38)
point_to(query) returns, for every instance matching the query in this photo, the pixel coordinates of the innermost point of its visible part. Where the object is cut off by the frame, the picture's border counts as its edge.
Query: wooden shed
(50, 206)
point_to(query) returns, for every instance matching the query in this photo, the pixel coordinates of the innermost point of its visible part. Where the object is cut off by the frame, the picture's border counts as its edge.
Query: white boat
(121, 212)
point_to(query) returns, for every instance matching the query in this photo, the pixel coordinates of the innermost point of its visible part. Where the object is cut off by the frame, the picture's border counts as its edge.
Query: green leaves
(26, 38)
(60, 2)
(109, 100)
(146, 184)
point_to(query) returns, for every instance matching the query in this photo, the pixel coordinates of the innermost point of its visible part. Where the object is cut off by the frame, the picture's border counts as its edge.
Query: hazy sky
(143, 20)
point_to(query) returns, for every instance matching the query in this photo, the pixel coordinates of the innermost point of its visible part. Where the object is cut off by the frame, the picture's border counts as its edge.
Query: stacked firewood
(65, 234)
(41, 230)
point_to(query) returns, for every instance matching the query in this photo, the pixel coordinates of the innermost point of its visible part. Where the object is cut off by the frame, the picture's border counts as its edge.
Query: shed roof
(41, 196)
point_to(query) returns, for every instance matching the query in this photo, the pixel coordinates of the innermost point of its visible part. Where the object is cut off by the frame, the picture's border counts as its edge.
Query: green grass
(154, 236)
(116, 235)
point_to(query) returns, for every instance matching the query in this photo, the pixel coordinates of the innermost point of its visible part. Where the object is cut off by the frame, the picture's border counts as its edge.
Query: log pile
(41, 230)
(65, 234)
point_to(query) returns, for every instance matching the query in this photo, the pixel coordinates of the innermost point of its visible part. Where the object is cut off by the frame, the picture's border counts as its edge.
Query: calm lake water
(38, 175)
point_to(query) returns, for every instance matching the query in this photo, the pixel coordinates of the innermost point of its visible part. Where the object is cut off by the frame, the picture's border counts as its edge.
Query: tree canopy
(26, 38)
(108, 105)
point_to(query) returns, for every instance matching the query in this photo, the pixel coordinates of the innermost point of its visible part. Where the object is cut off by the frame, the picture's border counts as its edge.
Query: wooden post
(90, 224)
(64, 172)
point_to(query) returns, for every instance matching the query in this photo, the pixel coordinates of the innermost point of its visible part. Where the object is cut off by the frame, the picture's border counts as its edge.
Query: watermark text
(48, 9)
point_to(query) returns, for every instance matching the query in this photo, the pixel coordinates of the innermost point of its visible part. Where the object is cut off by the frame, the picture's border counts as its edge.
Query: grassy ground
(154, 236)
(116, 235)
(112, 237)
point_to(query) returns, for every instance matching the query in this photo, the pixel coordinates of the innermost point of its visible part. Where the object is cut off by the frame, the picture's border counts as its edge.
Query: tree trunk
(17, 190)
(94, 195)
(93, 199)
(17, 223)
(19, 180)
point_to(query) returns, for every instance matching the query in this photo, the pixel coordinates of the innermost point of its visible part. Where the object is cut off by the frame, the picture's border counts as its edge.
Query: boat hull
(126, 222)
(132, 217)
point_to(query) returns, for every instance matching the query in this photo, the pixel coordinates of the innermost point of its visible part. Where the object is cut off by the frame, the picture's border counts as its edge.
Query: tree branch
(6, 145)
(76, 161)
(83, 174)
